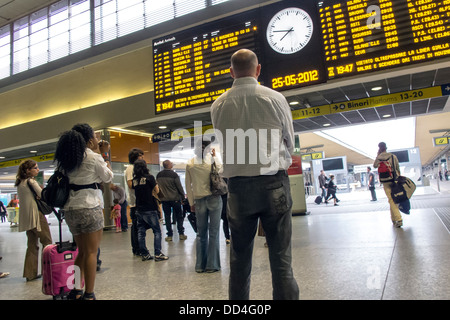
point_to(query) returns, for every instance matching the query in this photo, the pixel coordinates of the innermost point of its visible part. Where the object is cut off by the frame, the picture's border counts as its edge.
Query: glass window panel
(5, 50)
(39, 54)
(38, 20)
(21, 23)
(183, 7)
(59, 28)
(58, 7)
(158, 11)
(59, 16)
(21, 44)
(106, 29)
(122, 4)
(4, 36)
(79, 6)
(80, 38)
(38, 26)
(83, 32)
(80, 19)
(131, 19)
(5, 67)
(38, 36)
(131, 13)
(109, 23)
(20, 33)
(4, 40)
(59, 46)
(20, 61)
(152, 5)
(108, 8)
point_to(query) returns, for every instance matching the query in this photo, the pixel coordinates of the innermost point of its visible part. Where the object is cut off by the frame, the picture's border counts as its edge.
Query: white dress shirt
(256, 129)
(92, 169)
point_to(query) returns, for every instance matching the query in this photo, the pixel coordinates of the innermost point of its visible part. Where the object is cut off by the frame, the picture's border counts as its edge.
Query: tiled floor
(349, 252)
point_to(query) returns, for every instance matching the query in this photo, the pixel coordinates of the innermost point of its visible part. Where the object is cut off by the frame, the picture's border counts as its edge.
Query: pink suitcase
(58, 266)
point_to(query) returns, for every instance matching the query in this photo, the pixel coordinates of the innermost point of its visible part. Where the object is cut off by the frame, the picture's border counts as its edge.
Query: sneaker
(161, 257)
(146, 257)
(398, 224)
(168, 239)
(183, 237)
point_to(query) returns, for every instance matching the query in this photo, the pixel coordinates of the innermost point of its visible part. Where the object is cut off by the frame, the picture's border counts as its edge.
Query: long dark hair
(71, 147)
(22, 171)
(140, 169)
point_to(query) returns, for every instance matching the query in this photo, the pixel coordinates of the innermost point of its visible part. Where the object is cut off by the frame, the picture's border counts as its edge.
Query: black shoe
(146, 257)
(161, 257)
(89, 296)
(75, 294)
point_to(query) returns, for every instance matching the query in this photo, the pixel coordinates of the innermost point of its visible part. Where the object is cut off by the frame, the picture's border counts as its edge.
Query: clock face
(289, 31)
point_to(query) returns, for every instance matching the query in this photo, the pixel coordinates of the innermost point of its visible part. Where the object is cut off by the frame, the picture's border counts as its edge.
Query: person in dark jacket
(173, 194)
(331, 191)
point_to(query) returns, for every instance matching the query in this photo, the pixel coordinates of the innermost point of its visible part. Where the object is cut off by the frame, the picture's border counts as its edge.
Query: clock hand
(290, 30)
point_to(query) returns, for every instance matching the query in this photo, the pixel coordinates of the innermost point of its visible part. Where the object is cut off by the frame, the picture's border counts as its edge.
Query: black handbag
(58, 188)
(42, 206)
(218, 186)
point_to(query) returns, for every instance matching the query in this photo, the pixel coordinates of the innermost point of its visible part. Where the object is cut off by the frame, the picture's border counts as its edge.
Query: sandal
(75, 294)
(89, 296)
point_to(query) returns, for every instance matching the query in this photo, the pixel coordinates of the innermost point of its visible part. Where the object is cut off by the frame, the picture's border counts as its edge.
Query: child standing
(115, 215)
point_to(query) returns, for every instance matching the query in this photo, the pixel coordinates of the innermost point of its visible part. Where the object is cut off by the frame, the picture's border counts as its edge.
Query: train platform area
(346, 252)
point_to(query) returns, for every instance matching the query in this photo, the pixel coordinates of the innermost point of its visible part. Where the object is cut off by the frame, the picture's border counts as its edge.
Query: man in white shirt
(133, 155)
(257, 137)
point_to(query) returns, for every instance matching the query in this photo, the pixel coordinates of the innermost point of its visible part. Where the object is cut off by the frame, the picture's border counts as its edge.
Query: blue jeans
(208, 211)
(267, 198)
(147, 220)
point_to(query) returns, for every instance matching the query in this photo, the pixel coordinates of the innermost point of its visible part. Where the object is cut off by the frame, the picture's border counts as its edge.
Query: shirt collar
(244, 81)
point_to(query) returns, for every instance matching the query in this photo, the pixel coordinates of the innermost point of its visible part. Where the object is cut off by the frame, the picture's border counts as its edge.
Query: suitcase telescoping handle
(63, 245)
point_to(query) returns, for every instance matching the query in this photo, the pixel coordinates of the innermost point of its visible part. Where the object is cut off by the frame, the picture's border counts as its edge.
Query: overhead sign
(313, 156)
(441, 141)
(371, 102)
(41, 158)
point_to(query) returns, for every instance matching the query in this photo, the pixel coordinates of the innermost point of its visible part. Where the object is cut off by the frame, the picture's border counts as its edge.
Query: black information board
(299, 43)
(369, 35)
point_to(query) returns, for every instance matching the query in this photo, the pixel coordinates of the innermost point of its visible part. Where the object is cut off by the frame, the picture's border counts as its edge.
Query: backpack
(402, 189)
(385, 171)
(57, 190)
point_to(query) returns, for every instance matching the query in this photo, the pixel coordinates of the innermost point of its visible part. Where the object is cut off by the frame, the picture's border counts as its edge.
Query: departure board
(299, 43)
(192, 68)
(369, 35)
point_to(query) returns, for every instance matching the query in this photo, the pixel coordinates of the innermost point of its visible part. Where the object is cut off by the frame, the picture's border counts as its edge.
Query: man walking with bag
(388, 171)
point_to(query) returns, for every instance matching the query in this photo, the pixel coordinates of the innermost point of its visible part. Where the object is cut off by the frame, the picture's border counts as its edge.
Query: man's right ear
(232, 73)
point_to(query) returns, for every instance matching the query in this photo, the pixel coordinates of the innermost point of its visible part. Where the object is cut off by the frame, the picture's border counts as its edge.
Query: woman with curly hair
(30, 219)
(83, 210)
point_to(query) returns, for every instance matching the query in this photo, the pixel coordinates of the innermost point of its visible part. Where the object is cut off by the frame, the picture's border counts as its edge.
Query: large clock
(289, 30)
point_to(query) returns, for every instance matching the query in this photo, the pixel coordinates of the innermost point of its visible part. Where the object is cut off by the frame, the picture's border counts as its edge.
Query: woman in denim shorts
(78, 155)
